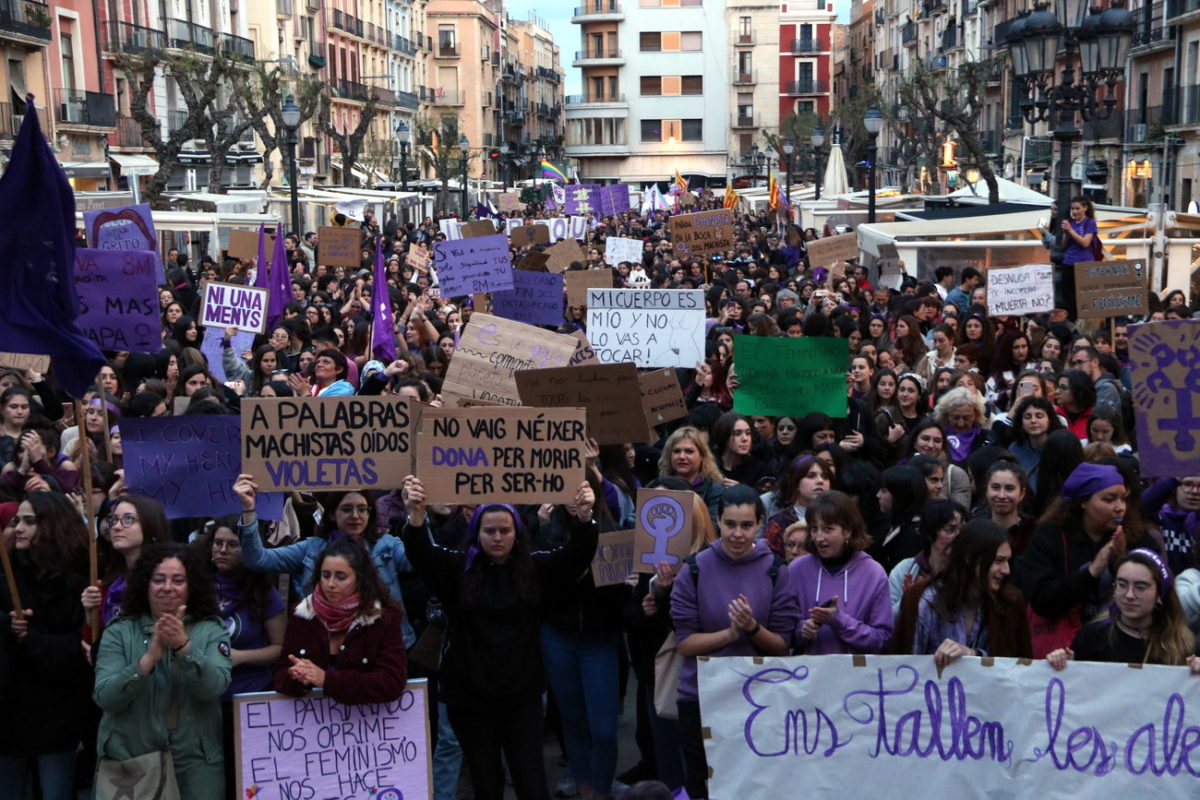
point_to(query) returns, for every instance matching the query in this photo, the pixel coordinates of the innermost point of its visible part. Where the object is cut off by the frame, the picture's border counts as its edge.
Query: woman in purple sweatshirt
(842, 592)
(745, 607)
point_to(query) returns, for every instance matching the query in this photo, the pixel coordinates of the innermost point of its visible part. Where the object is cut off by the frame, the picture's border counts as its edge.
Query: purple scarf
(960, 443)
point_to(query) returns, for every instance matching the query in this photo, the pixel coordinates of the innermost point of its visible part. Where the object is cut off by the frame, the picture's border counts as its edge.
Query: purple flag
(261, 278)
(280, 282)
(383, 334)
(38, 305)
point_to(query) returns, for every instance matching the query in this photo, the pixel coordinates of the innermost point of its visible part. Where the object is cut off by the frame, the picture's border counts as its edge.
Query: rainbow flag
(772, 191)
(731, 198)
(552, 172)
(681, 182)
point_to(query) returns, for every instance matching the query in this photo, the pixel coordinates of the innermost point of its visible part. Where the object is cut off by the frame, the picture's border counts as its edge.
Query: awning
(244, 203)
(133, 165)
(87, 169)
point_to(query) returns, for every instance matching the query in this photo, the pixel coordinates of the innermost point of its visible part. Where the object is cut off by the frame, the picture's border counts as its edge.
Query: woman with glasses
(135, 523)
(349, 515)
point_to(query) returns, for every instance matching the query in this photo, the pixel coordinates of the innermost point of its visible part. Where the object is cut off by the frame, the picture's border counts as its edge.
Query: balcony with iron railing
(124, 37)
(446, 49)
(406, 100)
(811, 45)
(184, 35)
(75, 107)
(594, 98)
(744, 38)
(1187, 105)
(1111, 128)
(598, 11)
(908, 33)
(237, 46)
(129, 133)
(1147, 122)
(806, 86)
(1181, 12)
(949, 39)
(745, 121)
(1151, 31)
(404, 45)
(352, 90)
(347, 23)
(745, 78)
(448, 97)
(1000, 32)
(27, 19)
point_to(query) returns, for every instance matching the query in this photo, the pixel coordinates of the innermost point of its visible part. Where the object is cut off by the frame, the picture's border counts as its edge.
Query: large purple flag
(38, 304)
(383, 336)
(280, 282)
(261, 277)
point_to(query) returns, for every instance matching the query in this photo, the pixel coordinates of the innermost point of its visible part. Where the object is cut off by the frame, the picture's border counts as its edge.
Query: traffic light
(494, 154)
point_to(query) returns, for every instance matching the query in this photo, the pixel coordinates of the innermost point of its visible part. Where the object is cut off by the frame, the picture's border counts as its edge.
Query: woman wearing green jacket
(167, 657)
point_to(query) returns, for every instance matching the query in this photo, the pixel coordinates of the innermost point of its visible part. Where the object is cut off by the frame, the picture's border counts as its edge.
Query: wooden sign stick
(14, 595)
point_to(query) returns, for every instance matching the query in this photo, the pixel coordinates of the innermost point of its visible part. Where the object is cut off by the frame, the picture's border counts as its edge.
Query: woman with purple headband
(1145, 625)
(491, 675)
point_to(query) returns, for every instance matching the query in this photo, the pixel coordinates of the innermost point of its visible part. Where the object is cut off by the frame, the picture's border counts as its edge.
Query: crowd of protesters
(980, 496)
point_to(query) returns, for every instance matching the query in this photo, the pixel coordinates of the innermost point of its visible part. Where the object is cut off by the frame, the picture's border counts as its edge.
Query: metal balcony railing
(908, 33)
(598, 7)
(747, 121)
(406, 100)
(26, 17)
(353, 90)
(807, 86)
(597, 52)
(745, 78)
(129, 133)
(744, 38)
(125, 37)
(447, 50)
(238, 47)
(813, 45)
(348, 23)
(75, 107)
(595, 97)
(182, 35)
(1177, 8)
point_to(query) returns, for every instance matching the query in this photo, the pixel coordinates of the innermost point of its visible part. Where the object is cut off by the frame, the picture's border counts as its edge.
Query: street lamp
(788, 147)
(504, 164)
(873, 122)
(463, 146)
(1034, 42)
(818, 141)
(291, 121)
(404, 136)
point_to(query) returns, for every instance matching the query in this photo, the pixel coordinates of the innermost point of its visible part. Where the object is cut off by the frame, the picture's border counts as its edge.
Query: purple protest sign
(536, 298)
(189, 464)
(210, 345)
(1166, 396)
(473, 266)
(582, 198)
(118, 299)
(618, 197)
(126, 228)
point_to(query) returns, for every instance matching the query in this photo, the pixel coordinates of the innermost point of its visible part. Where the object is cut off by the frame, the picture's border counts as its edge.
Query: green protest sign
(791, 377)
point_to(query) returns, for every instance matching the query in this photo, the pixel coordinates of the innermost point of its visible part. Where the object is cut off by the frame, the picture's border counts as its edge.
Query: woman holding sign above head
(344, 637)
(491, 675)
(733, 598)
(349, 515)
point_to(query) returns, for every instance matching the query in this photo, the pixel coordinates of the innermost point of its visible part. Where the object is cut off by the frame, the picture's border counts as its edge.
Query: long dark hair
(329, 510)
(1061, 454)
(61, 544)
(202, 595)
(371, 589)
(521, 558)
(1067, 514)
(155, 530)
(256, 586)
(936, 515)
(907, 488)
(971, 559)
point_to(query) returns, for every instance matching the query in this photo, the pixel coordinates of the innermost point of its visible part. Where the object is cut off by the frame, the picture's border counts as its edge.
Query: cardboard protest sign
(1166, 396)
(1017, 729)
(1016, 291)
(702, 233)
(791, 377)
(26, 361)
(613, 561)
(244, 244)
(125, 228)
(605, 391)
(314, 746)
(525, 235)
(536, 298)
(188, 464)
(824, 252)
(229, 305)
(650, 327)
(328, 443)
(474, 266)
(480, 227)
(617, 250)
(509, 201)
(491, 349)
(662, 399)
(562, 254)
(339, 247)
(501, 455)
(579, 281)
(664, 528)
(1111, 289)
(584, 354)
(450, 227)
(418, 258)
(118, 299)
(533, 261)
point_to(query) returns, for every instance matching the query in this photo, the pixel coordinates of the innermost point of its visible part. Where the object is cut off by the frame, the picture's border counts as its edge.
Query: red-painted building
(806, 45)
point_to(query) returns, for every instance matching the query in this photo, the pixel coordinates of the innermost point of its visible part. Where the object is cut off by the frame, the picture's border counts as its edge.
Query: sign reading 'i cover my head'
(650, 327)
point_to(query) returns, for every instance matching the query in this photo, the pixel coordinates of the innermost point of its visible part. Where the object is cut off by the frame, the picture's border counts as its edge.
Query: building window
(671, 85)
(745, 63)
(691, 42)
(693, 130)
(650, 42)
(651, 85)
(447, 41)
(650, 3)
(744, 29)
(805, 107)
(692, 85)
(67, 47)
(652, 130)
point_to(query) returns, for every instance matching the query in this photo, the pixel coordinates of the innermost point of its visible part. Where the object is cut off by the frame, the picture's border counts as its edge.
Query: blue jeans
(582, 669)
(55, 770)
(447, 759)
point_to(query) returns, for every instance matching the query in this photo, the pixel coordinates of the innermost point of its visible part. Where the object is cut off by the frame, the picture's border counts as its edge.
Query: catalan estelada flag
(772, 191)
(731, 198)
(551, 172)
(681, 182)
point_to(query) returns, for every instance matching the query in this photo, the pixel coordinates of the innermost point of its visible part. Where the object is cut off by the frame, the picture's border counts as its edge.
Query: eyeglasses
(226, 544)
(794, 545)
(354, 510)
(1190, 486)
(124, 520)
(1121, 586)
(1080, 362)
